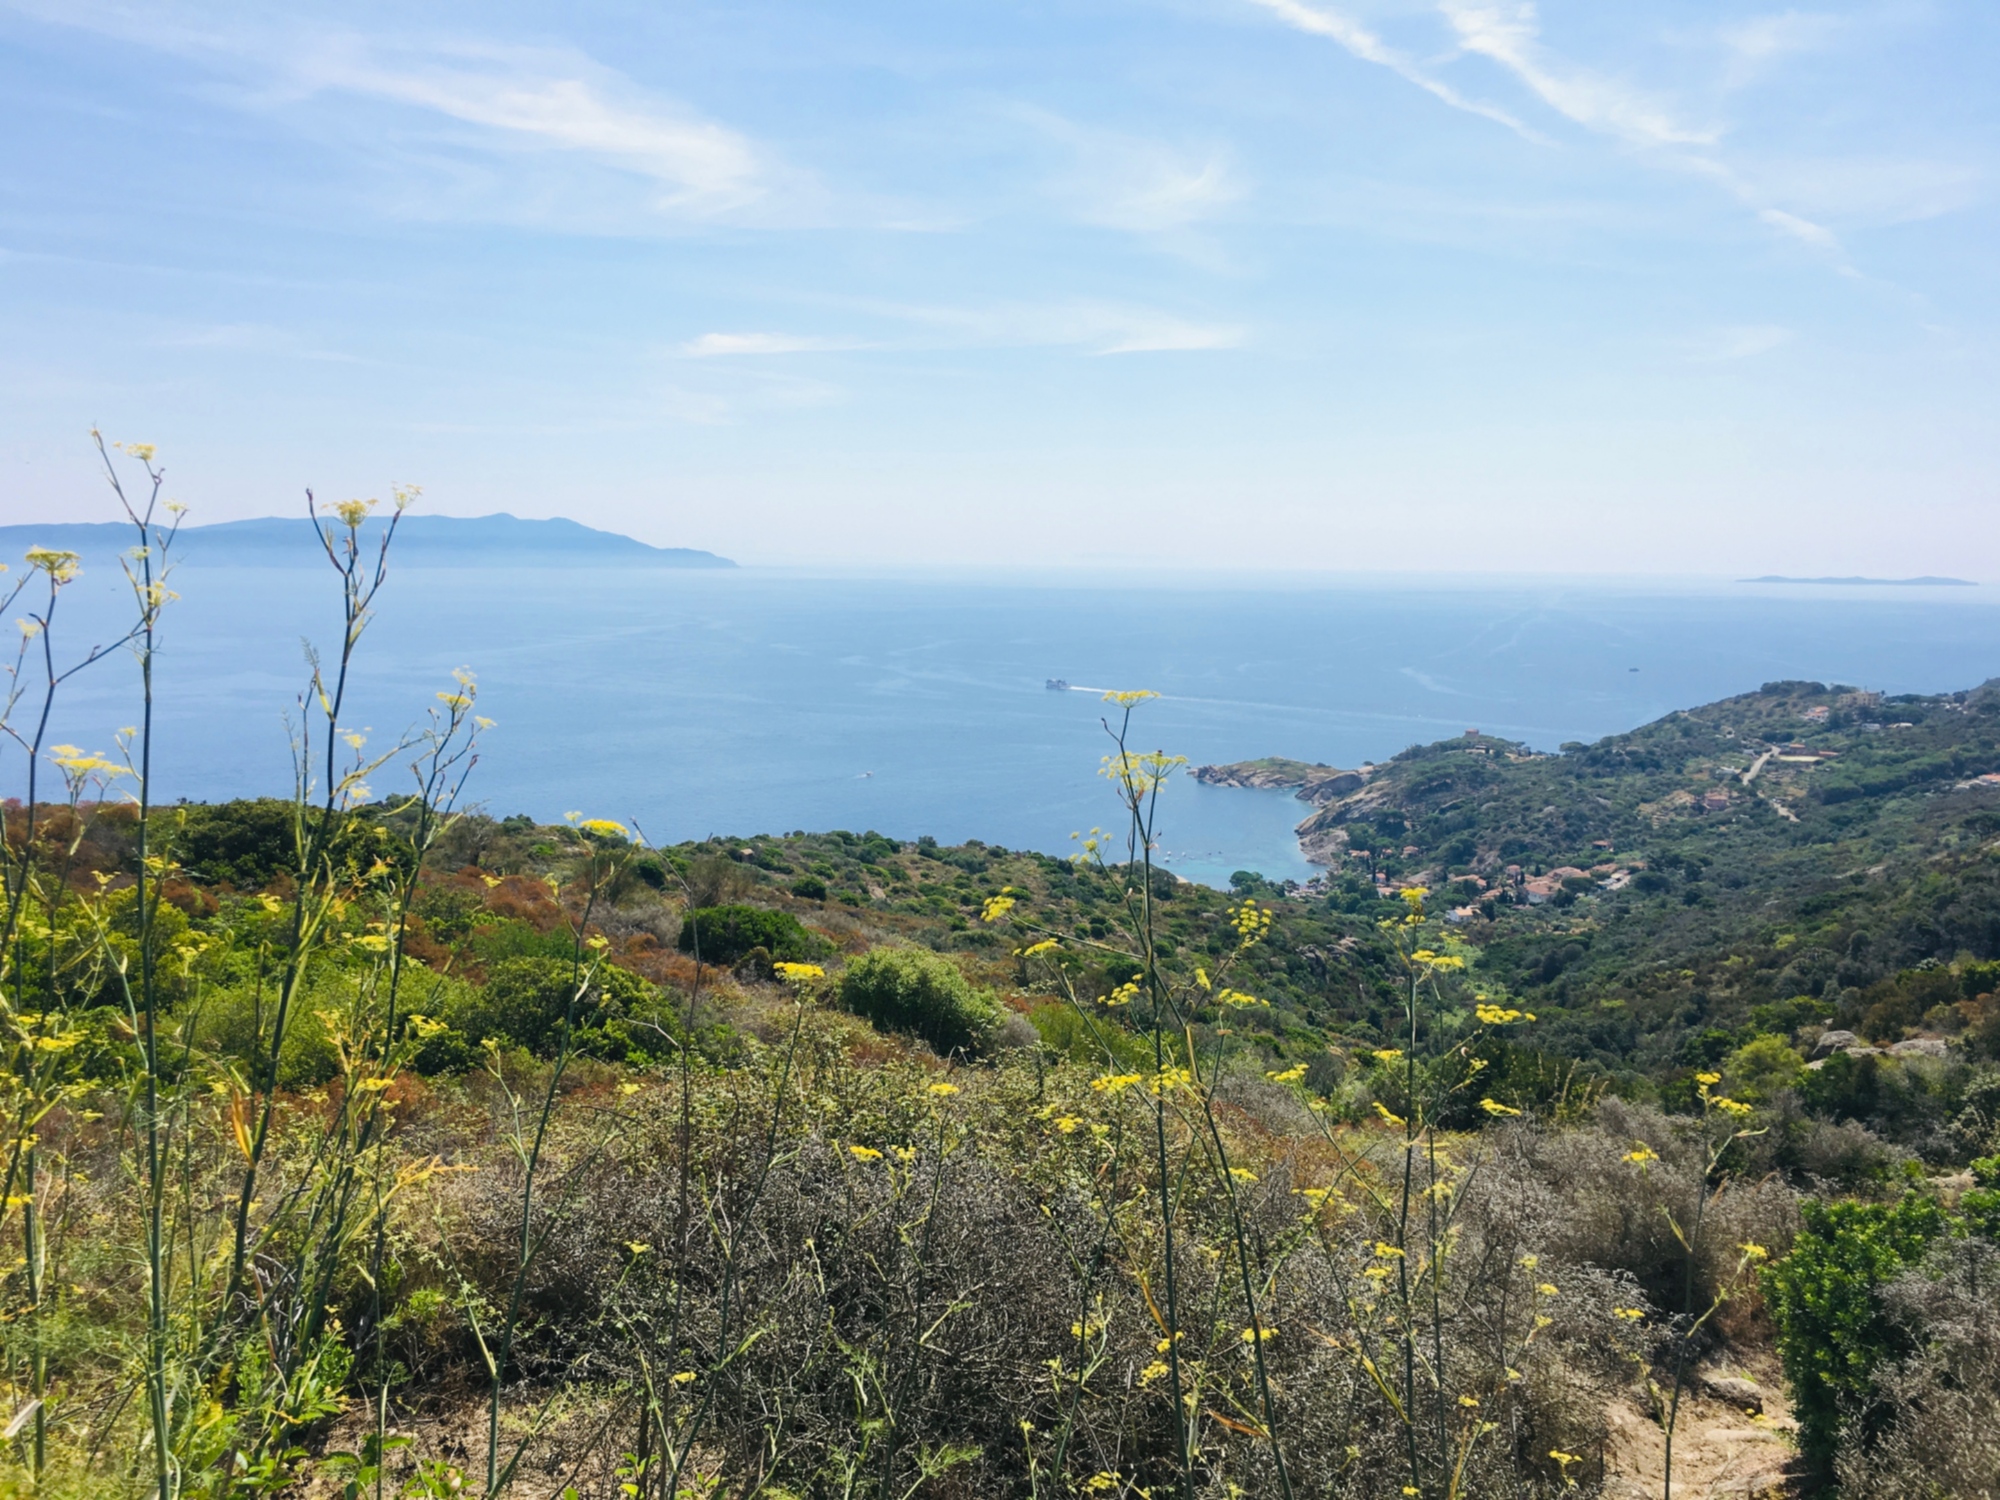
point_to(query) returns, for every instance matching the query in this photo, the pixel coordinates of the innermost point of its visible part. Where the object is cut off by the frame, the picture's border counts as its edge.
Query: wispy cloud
(1869, 188)
(1806, 231)
(1510, 35)
(1370, 48)
(1507, 33)
(515, 99)
(710, 345)
(254, 339)
(1087, 327)
(1757, 40)
(1091, 327)
(1125, 335)
(1816, 235)
(1721, 345)
(556, 101)
(1135, 183)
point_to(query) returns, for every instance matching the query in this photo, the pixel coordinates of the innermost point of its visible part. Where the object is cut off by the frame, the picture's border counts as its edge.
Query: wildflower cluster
(1251, 922)
(1500, 1015)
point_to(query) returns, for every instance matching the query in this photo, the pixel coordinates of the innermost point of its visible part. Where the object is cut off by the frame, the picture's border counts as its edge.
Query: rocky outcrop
(1308, 780)
(1322, 846)
(1921, 1046)
(1831, 1042)
(1323, 834)
(1271, 773)
(1336, 793)
(1329, 788)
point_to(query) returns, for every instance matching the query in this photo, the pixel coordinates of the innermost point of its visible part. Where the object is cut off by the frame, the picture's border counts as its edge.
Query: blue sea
(761, 701)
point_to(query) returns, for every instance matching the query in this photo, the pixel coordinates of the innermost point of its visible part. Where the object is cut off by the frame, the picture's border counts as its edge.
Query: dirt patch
(1720, 1449)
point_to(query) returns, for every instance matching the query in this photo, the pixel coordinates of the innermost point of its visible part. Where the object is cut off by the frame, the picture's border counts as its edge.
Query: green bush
(449, 912)
(526, 1000)
(919, 992)
(236, 1021)
(1980, 1210)
(1761, 1067)
(251, 842)
(726, 934)
(811, 887)
(497, 939)
(1844, 1087)
(1064, 1033)
(1832, 1329)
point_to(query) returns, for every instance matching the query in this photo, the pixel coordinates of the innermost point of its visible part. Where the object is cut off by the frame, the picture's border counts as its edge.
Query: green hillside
(1796, 841)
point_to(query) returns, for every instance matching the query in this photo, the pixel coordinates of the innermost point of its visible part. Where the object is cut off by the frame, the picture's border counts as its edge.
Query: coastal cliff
(1308, 780)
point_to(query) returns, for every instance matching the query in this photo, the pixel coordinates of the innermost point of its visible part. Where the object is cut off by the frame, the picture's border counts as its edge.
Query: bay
(760, 701)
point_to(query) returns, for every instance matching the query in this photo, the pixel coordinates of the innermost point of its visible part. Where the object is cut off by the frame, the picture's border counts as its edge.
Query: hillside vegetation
(1794, 861)
(364, 1145)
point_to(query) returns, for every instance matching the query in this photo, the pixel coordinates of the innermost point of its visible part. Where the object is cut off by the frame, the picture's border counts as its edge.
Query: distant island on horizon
(421, 541)
(1927, 581)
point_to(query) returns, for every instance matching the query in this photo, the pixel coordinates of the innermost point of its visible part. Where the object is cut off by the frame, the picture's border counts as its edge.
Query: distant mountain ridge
(421, 541)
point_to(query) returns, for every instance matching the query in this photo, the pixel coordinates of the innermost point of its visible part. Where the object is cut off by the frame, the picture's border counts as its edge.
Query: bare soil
(1720, 1449)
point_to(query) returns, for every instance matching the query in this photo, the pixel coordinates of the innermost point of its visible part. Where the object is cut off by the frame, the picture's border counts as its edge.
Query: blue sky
(1589, 285)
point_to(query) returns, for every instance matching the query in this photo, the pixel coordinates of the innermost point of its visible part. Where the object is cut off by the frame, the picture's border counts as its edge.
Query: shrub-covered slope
(1799, 841)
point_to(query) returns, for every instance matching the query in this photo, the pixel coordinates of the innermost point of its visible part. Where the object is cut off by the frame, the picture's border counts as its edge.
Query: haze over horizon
(1416, 285)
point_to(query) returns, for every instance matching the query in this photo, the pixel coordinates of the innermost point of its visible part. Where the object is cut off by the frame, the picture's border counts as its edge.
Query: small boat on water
(1057, 685)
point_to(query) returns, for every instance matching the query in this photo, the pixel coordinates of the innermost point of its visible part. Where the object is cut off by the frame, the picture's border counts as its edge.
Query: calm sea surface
(762, 701)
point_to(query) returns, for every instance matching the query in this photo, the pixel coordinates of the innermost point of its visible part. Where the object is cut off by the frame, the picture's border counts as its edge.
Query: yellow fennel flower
(1432, 960)
(60, 566)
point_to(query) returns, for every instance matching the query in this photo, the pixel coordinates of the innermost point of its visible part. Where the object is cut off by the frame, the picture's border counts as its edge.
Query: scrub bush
(915, 991)
(526, 1000)
(724, 935)
(1938, 1412)
(1832, 1327)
